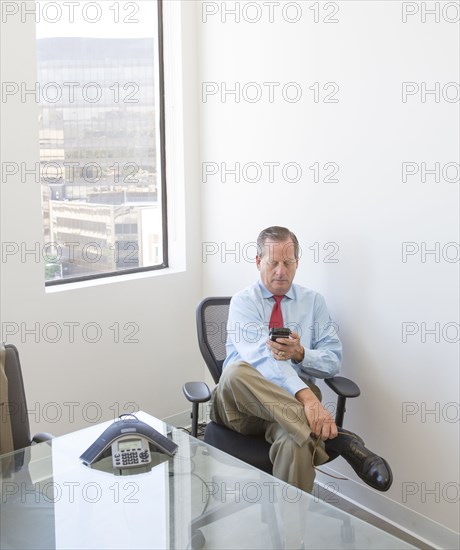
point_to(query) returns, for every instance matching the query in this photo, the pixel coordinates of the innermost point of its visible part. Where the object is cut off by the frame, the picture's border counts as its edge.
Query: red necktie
(276, 319)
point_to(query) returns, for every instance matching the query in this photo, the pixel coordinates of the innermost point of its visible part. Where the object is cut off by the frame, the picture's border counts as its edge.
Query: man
(269, 386)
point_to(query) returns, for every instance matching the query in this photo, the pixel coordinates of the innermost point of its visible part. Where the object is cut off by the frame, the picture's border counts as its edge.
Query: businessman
(268, 387)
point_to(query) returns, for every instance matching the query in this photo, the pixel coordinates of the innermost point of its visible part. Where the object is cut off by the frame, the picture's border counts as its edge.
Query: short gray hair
(277, 234)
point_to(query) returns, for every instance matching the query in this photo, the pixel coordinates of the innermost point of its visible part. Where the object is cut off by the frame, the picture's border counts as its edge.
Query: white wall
(365, 218)
(368, 215)
(71, 384)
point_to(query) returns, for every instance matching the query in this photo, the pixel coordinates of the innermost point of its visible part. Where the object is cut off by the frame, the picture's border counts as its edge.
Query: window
(101, 131)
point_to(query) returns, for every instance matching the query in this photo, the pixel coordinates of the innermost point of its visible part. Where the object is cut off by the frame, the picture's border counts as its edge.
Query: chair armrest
(344, 387)
(41, 437)
(196, 392)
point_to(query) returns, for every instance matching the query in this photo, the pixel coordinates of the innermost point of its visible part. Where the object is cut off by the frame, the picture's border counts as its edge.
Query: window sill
(116, 279)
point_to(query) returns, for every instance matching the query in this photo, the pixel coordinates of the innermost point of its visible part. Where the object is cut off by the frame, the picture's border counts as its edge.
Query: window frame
(162, 162)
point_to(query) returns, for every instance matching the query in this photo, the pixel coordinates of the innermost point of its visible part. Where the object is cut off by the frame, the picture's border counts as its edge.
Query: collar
(267, 294)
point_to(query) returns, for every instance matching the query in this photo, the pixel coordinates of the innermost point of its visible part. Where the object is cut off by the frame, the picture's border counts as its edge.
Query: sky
(101, 19)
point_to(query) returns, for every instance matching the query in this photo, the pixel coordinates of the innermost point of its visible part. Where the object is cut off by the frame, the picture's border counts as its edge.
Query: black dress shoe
(335, 447)
(343, 431)
(371, 468)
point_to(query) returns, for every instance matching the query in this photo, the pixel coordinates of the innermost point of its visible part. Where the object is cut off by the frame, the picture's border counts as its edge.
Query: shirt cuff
(304, 355)
(294, 385)
(308, 361)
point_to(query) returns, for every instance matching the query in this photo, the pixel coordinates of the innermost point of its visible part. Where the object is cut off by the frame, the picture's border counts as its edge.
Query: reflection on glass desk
(200, 498)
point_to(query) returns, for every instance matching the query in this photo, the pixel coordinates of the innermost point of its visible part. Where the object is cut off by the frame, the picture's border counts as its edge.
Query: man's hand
(285, 349)
(319, 419)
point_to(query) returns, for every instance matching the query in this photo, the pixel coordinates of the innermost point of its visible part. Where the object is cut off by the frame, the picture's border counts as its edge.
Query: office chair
(29, 514)
(17, 405)
(211, 320)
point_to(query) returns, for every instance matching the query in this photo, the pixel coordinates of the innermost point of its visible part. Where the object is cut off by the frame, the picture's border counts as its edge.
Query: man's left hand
(286, 349)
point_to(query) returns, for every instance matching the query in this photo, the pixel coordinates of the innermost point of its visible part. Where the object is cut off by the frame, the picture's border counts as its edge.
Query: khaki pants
(250, 404)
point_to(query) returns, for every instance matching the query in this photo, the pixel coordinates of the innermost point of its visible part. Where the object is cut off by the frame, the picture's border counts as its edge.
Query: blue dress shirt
(305, 312)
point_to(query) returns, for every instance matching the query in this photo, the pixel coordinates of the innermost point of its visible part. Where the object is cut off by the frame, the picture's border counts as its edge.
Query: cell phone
(279, 333)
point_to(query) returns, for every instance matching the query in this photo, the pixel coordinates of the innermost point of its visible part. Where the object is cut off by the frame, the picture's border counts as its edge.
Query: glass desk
(201, 498)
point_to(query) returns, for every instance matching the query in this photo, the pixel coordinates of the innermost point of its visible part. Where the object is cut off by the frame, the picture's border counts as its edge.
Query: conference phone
(131, 442)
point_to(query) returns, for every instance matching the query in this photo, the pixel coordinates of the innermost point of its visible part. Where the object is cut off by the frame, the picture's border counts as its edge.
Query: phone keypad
(131, 457)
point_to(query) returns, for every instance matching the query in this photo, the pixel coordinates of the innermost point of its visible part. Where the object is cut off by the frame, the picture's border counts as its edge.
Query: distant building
(93, 238)
(98, 146)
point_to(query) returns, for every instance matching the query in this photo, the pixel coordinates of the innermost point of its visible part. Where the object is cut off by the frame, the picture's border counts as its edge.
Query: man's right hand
(319, 419)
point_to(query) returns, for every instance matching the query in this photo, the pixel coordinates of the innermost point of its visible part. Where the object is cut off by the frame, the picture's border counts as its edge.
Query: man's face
(277, 266)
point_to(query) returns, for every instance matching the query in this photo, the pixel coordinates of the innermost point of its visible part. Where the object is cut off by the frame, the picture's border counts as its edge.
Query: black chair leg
(195, 419)
(340, 410)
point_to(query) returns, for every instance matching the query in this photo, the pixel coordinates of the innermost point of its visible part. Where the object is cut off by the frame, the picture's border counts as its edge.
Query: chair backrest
(211, 323)
(17, 407)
